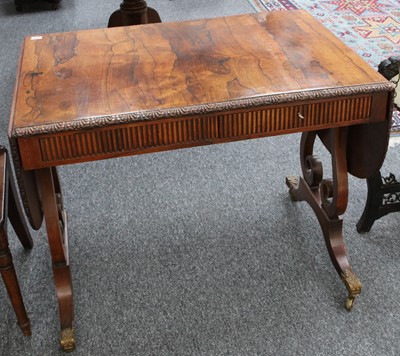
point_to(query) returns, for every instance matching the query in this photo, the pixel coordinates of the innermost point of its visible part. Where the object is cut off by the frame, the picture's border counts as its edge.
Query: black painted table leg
(383, 198)
(383, 192)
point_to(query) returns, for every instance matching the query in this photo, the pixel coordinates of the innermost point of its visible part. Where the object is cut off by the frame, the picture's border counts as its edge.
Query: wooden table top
(74, 80)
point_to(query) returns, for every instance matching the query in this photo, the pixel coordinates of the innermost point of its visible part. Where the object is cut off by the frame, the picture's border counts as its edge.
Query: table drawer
(173, 133)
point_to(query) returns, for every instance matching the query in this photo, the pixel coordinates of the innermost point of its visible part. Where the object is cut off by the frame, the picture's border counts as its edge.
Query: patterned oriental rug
(370, 27)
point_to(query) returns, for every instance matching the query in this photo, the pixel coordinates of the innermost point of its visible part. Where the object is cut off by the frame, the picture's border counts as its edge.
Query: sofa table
(104, 93)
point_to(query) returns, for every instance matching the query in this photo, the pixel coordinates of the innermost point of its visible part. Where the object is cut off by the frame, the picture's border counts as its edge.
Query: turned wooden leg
(11, 208)
(56, 226)
(328, 199)
(11, 282)
(133, 12)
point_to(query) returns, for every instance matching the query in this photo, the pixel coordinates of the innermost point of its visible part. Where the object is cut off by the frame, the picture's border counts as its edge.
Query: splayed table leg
(328, 199)
(56, 225)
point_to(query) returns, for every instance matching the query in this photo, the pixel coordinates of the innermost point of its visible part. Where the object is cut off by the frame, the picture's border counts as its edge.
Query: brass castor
(353, 286)
(67, 340)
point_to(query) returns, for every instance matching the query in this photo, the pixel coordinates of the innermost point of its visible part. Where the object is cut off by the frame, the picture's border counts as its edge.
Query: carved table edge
(201, 109)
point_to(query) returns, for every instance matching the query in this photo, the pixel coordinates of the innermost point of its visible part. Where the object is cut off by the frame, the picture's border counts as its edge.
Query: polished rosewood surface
(121, 73)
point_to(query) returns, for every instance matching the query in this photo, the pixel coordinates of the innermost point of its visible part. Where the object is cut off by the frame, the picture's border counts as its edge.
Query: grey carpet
(197, 251)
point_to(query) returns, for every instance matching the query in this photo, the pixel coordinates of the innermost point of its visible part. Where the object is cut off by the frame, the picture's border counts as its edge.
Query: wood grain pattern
(97, 94)
(70, 81)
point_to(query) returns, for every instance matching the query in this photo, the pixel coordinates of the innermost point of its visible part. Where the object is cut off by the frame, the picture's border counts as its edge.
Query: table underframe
(327, 197)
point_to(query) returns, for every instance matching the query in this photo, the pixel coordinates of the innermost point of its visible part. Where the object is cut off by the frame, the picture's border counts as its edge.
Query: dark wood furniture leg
(11, 207)
(133, 12)
(19, 4)
(328, 199)
(56, 225)
(15, 214)
(383, 198)
(383, 192)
